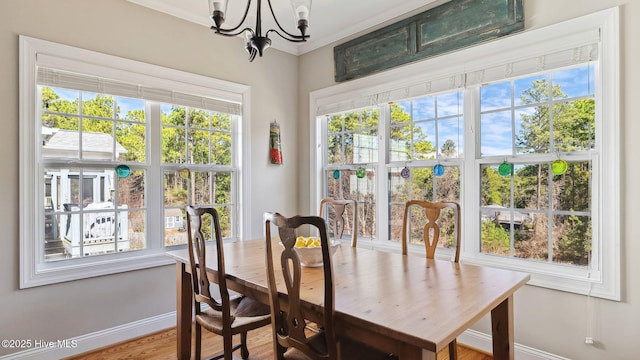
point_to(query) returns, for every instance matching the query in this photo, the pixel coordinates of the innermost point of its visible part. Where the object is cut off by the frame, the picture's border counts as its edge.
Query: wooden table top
(426, 303)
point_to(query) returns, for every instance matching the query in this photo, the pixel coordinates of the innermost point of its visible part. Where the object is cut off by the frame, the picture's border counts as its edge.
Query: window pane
(532, 130)
(334, 147)
(531, 186)
(396, 216)
(199, 146)
(98, 105)
(132, 138)
(495, 189)
(174, 147)
(98, 142)
(175, 189)
(572, 190)
(226, 220)
(398, 186)
(531, 238)
(173, 115)
(60, 101)
(496, 133)
(425, 108)
(448, 184)
(400, 143)
(365, 147)
(130, 109)
(136, 229)
(531, 90)
(131, 190)
(451, 138)
(495, 238)
(449, 104)
(201, 188)
(424, 137)
(572, 239)
(575, 82)
(495, 96)
(221, 148)
(175, 227)
(222, 189)
(574, 125)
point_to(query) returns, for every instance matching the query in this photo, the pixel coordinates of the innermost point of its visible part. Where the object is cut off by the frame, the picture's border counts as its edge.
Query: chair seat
(349, 350)
(244, 311)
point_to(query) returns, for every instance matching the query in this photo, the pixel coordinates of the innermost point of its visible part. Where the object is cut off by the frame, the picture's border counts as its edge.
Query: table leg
(183, 311)
(502, 330)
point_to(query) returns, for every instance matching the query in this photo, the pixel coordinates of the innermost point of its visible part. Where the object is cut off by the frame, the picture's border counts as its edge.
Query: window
(540, 209)
(119, 153)
(352, 147)
(522, 131)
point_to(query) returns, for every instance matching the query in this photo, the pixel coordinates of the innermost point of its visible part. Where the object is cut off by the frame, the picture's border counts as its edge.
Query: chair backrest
(431, 231)
(289, 323)
(201, 221)
(339, 208)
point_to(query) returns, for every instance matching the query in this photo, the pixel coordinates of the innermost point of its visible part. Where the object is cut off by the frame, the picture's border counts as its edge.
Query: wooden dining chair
(431, 235)
(337, 223)
(226, 316)
(292, 339)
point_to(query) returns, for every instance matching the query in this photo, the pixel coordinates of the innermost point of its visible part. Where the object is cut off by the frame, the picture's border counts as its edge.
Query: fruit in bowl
(310, 252)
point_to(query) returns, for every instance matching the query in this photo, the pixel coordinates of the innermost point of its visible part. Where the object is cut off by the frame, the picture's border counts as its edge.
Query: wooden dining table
(406, 305)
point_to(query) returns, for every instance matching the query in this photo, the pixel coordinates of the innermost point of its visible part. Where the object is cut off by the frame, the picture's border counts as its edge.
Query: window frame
(34, 270)
(605, 281)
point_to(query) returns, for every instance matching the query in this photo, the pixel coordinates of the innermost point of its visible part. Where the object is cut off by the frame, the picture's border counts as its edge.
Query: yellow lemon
(300, 242)
(316, 242)
(309, 241)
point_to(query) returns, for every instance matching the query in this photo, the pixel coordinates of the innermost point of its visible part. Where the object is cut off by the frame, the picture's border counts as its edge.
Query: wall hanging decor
(454, 25)
(559, 167)
(184, 173)
(405, 172)
(505, 169)
(438, 170)
(275, 147)
(123, 171)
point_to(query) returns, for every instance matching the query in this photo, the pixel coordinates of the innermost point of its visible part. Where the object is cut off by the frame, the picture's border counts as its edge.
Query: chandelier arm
(288, 37)
(229, 32)
(232, 34)
(291, 37)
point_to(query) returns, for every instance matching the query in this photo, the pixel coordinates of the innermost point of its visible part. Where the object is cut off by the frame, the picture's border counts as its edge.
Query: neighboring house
(173, 219)
(502, 216)
(65, 144)
(97, 229)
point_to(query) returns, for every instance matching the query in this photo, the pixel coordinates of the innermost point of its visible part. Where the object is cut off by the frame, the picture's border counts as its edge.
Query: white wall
(547, 320)
(117, 27)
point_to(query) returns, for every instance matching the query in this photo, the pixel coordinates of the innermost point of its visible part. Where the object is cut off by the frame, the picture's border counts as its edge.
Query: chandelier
(255, 40)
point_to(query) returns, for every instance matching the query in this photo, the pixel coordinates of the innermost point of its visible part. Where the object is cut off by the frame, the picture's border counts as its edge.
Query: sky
(500, 120)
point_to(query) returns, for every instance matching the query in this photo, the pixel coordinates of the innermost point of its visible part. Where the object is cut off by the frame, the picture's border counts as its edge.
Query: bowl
(312, 256)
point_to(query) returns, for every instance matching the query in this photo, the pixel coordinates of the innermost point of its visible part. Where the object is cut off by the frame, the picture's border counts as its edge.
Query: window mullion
(470, 186)
(155, 178)
(382, 196)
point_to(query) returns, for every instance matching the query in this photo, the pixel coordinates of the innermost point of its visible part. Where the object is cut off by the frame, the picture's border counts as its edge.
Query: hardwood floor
(162, 345)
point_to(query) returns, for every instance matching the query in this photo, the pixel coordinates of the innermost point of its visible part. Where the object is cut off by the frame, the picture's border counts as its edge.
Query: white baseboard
(482, 341)
(107, 337)
(96, 340)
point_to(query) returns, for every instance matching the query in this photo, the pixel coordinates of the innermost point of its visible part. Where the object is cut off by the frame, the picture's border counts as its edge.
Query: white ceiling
(329, 20)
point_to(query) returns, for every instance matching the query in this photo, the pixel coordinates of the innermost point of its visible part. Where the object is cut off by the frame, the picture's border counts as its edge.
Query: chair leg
(228, 347)
(244, 350)
(198, 341)
(453, 350)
